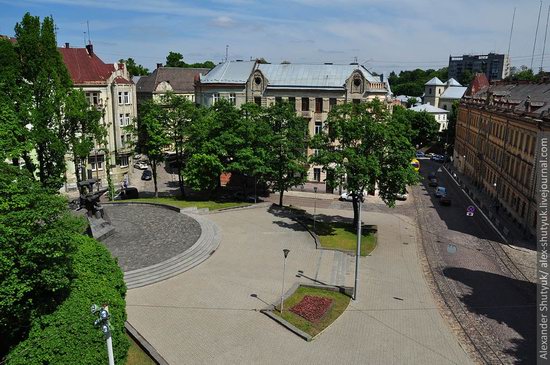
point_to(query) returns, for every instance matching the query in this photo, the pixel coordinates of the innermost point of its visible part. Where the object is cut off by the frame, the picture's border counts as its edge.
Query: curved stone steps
(205, 246)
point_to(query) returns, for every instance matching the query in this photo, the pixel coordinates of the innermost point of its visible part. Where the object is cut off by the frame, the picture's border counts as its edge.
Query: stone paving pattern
(208, 316)
(146, 235)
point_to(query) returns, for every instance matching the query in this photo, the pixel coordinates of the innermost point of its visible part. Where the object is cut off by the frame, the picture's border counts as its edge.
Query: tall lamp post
(358, 253)
(103, 323)
(285, 253)
(314, 208)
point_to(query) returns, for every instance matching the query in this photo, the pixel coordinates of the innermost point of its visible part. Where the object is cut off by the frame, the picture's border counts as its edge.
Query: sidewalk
(513, 232)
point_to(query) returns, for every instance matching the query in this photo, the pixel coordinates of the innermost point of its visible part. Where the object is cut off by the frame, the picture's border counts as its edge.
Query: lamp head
(285, 252)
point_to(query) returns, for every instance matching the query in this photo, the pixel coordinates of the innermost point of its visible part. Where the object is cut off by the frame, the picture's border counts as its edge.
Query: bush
(68, 336)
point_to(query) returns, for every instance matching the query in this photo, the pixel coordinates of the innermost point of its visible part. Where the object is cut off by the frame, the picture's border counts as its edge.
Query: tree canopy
(411, 83)
(175, 59)
(422, 125)
(133, 68)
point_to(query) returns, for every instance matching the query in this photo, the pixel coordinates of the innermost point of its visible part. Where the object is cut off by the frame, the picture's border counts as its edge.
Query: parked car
(140, 165)
(431, 176)
(438, 158)
(440, 191)
(147, 175)
(433, 182)
(348, 196)
(420, 154)
(402, 196)
(445, 200)
(128, 193)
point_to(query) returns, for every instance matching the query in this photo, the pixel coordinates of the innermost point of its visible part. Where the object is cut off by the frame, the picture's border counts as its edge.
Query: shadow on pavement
(506, 301)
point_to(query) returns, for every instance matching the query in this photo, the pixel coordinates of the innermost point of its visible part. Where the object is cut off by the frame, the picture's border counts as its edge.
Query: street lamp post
(314, 208)
(285, 253)
(103, 323)
(358, 253)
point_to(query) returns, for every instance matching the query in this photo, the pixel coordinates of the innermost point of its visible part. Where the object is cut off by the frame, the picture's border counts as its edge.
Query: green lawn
(340, 235)
(136, 356)
(174, 201)
(339, 305)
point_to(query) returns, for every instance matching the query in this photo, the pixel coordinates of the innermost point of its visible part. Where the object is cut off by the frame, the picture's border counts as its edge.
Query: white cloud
(224, 21)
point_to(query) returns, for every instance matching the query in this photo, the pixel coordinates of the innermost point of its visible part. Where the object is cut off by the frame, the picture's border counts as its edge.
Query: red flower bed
(312, 308)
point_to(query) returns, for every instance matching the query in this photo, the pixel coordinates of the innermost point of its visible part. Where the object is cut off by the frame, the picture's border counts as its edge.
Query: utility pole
(536, 34)
(358, 253)
(544, 44)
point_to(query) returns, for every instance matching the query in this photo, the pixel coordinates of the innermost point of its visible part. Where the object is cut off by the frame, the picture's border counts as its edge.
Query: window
(215, 98)
(120, 98)
(123, 161)
(278, 100)
(305, 104)
(233, 99)
(127, 119)
(127, 99)
(430, 91)
(317, 174)
(122, 139)
(93, 98)
(315, 152)
(258, 100)
(121, 120)
(292, 100)
(92, 161)
(356, 101)
(331, 103)
(318, 105)
(318, 127)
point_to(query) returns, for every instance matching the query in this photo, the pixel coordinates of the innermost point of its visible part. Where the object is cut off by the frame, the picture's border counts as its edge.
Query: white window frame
(127, 98)
(121, 120)
(215, 98)
(233, 98)
(127, 119)
(318, 127)
(120, 98)
(100, 160)
(123, 159)
(315, 170)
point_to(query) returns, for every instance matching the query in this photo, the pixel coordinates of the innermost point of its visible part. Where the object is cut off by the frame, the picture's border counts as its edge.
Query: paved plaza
(208, 315)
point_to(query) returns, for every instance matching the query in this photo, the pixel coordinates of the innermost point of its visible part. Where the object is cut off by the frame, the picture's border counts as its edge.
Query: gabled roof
(182, 80)
(435, 82)
(11, 39)
(428, 108)
(229, 72)
(452, 82)
(308, 75)
(453, 92)
(86, 68)
(517, 93)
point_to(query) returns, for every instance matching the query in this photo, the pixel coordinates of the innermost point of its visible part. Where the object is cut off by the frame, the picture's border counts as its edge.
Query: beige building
(496, 135)
(313, 89)
(177, 80)
(443, 94)
(439, 114)
(109, 88)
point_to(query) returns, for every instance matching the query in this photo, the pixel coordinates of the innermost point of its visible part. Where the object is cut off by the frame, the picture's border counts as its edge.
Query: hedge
(68, 336)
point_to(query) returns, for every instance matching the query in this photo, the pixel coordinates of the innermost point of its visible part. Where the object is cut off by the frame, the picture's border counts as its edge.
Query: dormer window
(258, 80)
(430, 91)
(357, 81)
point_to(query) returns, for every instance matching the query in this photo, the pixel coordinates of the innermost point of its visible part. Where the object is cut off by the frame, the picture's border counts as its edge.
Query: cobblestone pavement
(146, 235)
(208, 315)
(487, 294)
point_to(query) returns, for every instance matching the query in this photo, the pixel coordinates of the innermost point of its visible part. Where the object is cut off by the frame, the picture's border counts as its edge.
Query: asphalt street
(487, 294)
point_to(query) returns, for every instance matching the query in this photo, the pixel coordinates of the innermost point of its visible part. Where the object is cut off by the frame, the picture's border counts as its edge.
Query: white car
(349, 197)
(402, 196)
(440, 191)
(140, 165)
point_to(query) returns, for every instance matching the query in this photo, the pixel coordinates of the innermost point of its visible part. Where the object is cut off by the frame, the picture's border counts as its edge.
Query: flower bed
(312, 308)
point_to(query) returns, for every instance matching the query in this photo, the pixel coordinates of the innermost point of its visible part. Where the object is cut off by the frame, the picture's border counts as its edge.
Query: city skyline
(384, 37)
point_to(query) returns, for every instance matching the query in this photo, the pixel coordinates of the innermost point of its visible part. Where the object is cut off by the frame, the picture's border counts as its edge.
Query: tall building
(313, 89)
(494, 66)
(496, 136)
(109, 88)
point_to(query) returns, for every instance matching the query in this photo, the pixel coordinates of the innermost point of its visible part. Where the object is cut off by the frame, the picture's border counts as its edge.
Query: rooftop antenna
(536, 33)
(84, 38)
(355, 59)
(544, 44)
(511, 31)
(226, 52)
(88, 26)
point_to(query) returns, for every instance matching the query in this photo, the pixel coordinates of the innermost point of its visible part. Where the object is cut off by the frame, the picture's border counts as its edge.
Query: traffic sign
(439, 170)
(470, 211)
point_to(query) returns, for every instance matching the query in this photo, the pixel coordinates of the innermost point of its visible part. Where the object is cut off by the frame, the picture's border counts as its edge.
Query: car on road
(440, 192)
(433, 182)
(420, 154)
(348, 196)
(438, 158)
(147, 175)
(402, 196)
(128, 193)
(445, 200)
(140, 165)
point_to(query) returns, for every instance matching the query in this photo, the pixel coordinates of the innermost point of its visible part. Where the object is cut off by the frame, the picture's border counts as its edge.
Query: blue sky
(384, 35)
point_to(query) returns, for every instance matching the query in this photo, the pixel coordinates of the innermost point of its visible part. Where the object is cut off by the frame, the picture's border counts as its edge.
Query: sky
(384, 35)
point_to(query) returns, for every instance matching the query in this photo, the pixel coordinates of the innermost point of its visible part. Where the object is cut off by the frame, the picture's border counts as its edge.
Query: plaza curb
(144, 344)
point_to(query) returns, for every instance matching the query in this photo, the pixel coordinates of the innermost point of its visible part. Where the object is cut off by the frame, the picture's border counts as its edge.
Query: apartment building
(109, 88)
(496, 136)
(494, 66)
(313, 89)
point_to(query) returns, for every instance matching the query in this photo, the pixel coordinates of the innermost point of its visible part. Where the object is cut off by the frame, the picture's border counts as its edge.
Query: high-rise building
(495, 66)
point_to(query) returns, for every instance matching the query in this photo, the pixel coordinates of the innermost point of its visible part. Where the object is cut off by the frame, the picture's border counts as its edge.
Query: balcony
(306, 113)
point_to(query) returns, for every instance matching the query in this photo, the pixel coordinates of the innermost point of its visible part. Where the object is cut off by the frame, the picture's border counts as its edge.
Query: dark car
(431, 175)
(433, 182)
(147, 175)
(127, 193)
(445, 200)
(420, 154)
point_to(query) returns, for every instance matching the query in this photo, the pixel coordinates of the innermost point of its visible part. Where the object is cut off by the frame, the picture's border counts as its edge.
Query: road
(488, 296)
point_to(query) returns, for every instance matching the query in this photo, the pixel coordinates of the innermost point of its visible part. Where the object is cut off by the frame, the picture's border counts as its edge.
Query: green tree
(174, 59)
(36, 243)
(287, 163)
(83, 128)
(466, 77)
(152, 135)
(202, 172)
(133, 68)
(44, 71)
(412, 82)
(423, 126)
(363, 147)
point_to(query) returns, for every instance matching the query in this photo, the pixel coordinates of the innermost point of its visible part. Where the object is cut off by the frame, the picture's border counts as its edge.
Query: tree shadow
(508, 301)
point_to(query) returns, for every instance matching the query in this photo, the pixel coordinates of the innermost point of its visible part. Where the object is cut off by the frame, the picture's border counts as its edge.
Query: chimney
(90, 48)
(159, 65)
(528, 104)
(66, 44)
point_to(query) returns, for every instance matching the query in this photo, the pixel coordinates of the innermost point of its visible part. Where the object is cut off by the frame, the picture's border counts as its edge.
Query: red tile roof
(122, 80)
(11, 39)
(85, 68)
